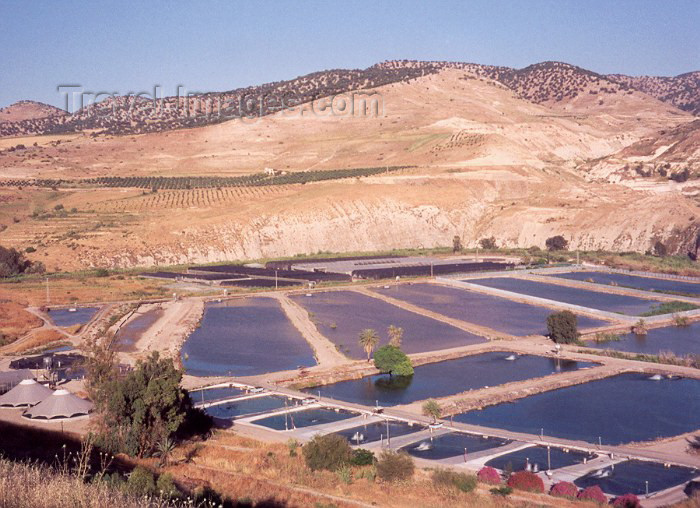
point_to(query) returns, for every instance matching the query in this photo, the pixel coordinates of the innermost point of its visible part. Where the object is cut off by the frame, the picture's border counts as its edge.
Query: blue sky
(220, 45)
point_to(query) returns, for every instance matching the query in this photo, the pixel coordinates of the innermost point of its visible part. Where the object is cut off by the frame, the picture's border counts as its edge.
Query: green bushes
(141, 482)
(556, 243)
(329, 452)
(562, 327)
(669, 308)
(362, 457)
(391, 360)
(395, 466)
(446, 480)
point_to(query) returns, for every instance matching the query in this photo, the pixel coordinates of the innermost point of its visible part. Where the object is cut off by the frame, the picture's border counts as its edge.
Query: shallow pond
(631, 477)
(304, 418)
(538, 458)
(680, 340)
(634, 281)
(342, 315)
(623, 304)
(620, 409)
(243, 338)
(452, 445)
(249, 406)
(446, 378)
(132, 331)
(500, 314)
(378, 431)
(65, 317)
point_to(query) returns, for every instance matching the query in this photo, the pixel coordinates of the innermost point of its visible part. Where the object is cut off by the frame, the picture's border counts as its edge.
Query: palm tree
(165, 449)
(395, 336)
(368, 340)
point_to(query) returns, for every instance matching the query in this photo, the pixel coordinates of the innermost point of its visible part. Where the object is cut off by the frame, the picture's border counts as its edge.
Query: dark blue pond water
(624, 304)
(64, 317)
(538, 455)
(680, 340)
(634, 281)
(494, 312)
(342, 315)
(630, 477)
(305, 418)
(209, 394)
(378, 430)
(244, 338)
(452, 445)
(446, 378)
(249, 406)
(132, 331)
(621, 409)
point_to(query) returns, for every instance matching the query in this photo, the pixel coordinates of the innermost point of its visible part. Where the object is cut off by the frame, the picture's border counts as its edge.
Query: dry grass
(241, 467)
(15, 321)
(35, 340)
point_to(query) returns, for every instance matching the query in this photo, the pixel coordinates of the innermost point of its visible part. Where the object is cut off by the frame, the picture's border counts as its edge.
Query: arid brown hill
(29, 110)
(683, 91)
(557, 84)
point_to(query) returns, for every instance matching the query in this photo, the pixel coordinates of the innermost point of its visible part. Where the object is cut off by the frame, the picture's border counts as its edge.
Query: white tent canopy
(60, 404)
(27, 393)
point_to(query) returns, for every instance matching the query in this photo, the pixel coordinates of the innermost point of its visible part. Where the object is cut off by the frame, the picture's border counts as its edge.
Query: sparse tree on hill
(456, 244)
(488, 243)
(660, 249)
(369, 340)
(395, 335)
(557, 242)
(432, 408)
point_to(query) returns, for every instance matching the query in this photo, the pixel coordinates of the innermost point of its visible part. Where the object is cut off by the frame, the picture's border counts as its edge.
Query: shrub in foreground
(362, 457)
(525, 480)
(564, 489)
(395, 466)
(488, 475)
(141, 482)
(327, 452)
(627, 501)
(445, 479)
(593, 493)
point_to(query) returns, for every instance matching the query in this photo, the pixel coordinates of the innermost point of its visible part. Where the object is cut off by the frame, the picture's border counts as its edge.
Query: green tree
(456, 244)
(488, 243)
(555, 243)
(142, 409)
(432, 408)
(562, 327)
(329, 451)
(368, 340)
(395, 335)
(391, 360)
(141, 482)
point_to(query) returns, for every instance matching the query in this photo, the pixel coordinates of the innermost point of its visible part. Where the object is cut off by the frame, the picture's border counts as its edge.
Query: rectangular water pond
(244, 338)
(635, 281)
(446, 378)
(342, 315)
(249, 406)
(378, 430)
(621, 409)
(536, 457)
(630, 477)
(498, 313)
(452, 445)
(212, 394)
(304, 418)
(66, 317)
(623, 304)
(680, 340)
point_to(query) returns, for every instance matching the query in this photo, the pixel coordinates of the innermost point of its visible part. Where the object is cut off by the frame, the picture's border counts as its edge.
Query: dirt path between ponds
(167, 334)
(325, 351)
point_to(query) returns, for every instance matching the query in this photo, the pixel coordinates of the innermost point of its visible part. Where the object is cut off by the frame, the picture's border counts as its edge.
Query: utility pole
(275, 280)
(48, 300)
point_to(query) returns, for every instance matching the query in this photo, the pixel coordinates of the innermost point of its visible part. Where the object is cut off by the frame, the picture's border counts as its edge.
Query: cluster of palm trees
(369, 339)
